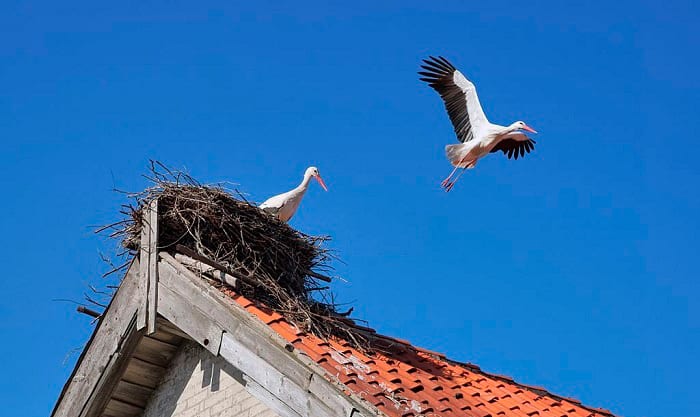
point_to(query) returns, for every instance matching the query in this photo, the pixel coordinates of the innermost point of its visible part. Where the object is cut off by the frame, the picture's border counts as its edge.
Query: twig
(85, 310)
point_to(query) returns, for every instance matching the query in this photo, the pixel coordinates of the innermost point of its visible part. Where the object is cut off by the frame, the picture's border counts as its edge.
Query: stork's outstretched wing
(516, 144)
(459, 95)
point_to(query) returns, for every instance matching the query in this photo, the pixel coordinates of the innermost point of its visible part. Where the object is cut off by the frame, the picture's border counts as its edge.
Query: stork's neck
(507, 129)
(502, 130)
(304, 183)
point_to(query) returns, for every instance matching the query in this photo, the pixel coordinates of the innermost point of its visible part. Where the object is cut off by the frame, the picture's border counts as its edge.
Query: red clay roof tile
(408, 381)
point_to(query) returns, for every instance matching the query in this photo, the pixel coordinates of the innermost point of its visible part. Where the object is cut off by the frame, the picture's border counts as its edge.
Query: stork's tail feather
(456, 155)
(453, 153)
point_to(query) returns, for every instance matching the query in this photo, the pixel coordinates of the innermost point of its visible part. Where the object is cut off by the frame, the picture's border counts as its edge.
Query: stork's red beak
(320, 181)
(529, 129)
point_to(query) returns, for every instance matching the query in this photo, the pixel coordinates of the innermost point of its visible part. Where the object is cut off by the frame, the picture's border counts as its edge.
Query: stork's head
(313, 172)
(520, 125)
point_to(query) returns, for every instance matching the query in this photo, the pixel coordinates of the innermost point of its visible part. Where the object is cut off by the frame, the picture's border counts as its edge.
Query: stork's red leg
(446, 181)
(446, 184)
(451, 185)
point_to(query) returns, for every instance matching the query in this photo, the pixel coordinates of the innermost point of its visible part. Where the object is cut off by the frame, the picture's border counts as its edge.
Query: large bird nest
(224, 227)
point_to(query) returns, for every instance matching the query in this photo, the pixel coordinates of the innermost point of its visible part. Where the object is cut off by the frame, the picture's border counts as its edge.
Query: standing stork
(283, 206)
(477, 134)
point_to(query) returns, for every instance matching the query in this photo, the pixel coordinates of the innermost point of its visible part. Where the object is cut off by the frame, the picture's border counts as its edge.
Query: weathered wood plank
(166, 336)
(154, 351)
(281, 359)
(164, 326)
(122, 409)
(133, 393)
(265, 397)
(211, 296)
(149, 269)
(153, 268)
(104, 343)
(265, 374)
(143, 276)
(319, 408)
(182, 313)
(329, 396)
(207, 270)
(239, 277)
(185, 283)
(142, 373)
(113, 371)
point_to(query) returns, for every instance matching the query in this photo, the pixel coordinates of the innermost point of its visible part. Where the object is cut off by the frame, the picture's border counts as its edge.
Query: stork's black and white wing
(274, 204)
(515, 144)
(459, 95)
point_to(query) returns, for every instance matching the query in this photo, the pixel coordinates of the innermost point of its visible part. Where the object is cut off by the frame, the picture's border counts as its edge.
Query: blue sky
(573, 268)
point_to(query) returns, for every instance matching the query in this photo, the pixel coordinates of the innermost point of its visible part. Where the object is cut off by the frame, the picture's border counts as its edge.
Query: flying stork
(283, 206)
(477, 135)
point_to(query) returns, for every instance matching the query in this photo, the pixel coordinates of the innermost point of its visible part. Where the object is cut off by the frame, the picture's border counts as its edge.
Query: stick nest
(224, 227)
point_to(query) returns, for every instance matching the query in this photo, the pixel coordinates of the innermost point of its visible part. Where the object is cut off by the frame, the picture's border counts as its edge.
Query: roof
(291, 371)
(405, 380)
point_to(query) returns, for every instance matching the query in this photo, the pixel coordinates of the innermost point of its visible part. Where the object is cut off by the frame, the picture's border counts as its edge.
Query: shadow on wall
(193, 371)
(211, 367)
(170, 391)
(211, 374)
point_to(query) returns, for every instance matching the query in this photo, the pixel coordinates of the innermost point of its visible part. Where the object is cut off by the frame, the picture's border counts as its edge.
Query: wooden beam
(149, 267)
(131, 392)
(118, 408)
(164, 334)
(89, 312)
(199, 294)
(179, 310)
(208, 270)
(166, 329)
(143, 275)
(266, 375)
(106, 342)
(239, 277)
(265, 397)
(143, 373)
(153, 269)
(154, 351)
(113, 372)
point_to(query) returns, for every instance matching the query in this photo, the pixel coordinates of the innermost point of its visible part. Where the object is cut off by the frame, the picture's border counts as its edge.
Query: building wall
(199, 384)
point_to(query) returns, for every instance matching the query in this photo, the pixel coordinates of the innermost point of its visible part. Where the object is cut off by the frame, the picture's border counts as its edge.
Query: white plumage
(283, 206)
(477, 135)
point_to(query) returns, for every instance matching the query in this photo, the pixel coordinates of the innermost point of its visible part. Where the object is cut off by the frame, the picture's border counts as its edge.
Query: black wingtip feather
(437, 63)
(436, 69)
(448, 63)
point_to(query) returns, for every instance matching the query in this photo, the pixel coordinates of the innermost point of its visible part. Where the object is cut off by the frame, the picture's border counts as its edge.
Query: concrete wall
(199, 384)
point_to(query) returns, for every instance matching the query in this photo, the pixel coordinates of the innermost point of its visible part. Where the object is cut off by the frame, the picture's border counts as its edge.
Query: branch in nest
(89, 312)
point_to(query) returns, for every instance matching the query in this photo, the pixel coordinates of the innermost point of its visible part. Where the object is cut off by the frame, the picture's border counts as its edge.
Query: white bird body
(466, 155)
(477, 135)
(283, 206)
